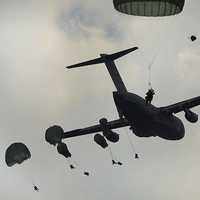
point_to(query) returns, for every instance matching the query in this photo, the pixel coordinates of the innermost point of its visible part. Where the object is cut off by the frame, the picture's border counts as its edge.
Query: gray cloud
(84, 21)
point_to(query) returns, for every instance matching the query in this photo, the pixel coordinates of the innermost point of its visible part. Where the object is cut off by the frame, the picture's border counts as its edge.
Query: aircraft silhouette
(144, 119)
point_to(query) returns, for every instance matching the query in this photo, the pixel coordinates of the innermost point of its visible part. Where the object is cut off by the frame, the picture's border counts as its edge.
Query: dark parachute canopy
(63, 150)
(54, 135)
(151, 8)
(16, 153)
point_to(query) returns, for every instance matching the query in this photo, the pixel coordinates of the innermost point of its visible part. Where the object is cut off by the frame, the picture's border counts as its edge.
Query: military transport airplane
(144, 119)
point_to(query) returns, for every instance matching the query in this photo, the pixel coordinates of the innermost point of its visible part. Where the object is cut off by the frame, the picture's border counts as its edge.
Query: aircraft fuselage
(147, 120)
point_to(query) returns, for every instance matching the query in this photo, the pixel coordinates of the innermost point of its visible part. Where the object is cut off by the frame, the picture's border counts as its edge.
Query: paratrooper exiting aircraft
(144, 119)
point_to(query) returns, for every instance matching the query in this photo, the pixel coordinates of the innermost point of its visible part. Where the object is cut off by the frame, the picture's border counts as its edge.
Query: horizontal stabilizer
(90, 62)
(102, 58)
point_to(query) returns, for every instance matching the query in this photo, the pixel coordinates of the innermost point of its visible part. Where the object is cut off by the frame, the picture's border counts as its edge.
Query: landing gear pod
(54, 135)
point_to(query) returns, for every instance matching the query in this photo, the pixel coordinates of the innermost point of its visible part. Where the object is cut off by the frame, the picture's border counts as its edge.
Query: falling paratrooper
(101, 141)
(63, 150)
(192, 38)
(54, 136)
(17, 153)
(108, 135)
(149, 8)
(36, 188)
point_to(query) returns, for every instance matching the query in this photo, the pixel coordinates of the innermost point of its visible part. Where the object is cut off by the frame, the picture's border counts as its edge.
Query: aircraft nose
(175, 131)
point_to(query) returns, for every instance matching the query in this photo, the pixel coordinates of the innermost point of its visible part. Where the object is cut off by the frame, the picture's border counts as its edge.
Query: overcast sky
(37, 40)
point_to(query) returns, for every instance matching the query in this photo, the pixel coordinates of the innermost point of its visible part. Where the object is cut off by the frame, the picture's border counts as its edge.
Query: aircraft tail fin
(101, 59)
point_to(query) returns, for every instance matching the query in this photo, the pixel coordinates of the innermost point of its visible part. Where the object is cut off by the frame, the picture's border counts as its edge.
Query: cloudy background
(37, 40)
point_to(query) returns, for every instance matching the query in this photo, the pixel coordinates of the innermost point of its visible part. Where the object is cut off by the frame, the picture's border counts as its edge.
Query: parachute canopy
(150, 8)
(63, 150)
(16, 153)
(54, 135)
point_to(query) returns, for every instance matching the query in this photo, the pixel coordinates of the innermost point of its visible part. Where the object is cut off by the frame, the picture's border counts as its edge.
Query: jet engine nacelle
(191, 116)
(100, 140)
(111, 136)
(108, 134)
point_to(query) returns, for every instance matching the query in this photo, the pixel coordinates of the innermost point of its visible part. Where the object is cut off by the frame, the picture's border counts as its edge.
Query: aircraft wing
(96, 128)
(178, 107)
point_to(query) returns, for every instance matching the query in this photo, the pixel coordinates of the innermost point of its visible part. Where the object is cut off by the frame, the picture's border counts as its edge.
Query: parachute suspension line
(149, 79)
(74, 165)
(150, 69)
(131, 144)
(150, 65)
(70, 162)
(130, 141)
(114, 160)
(111, 155)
